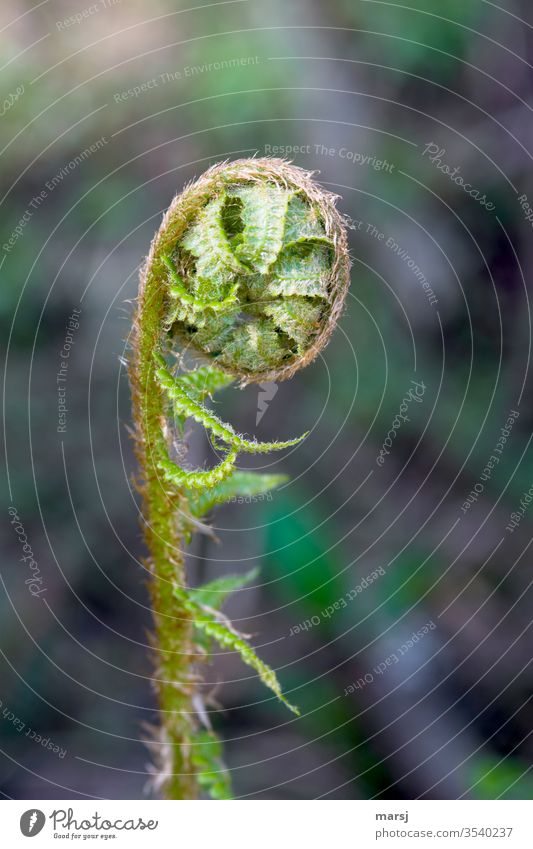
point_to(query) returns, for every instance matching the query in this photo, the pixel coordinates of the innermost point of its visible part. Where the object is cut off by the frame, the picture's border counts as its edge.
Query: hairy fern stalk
(245, 279)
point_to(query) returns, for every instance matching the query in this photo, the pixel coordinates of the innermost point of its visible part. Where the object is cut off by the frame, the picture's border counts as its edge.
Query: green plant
(247, 273)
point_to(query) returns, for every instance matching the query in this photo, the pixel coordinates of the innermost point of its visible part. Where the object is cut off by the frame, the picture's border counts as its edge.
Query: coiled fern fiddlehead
(248, 272)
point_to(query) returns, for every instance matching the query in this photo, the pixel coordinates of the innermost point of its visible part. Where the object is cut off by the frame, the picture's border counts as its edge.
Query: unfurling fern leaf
(249, 271)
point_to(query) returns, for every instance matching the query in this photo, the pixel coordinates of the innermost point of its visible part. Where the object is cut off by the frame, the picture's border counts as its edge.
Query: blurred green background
(110, 109)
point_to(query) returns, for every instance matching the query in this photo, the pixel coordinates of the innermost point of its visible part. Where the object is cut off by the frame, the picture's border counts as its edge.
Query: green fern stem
(164, 534)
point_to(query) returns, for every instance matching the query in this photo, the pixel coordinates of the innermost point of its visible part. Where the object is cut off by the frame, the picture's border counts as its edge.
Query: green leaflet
(245, 484)
(214, 336)
(189, 307)
(303, 224)
(197, 479)
(215, 593)
(206, 757)
(209, 244)
(204, 381)
(253, 344)
(298, 273)
(212, 624)
(263, 215)
(200, 383)
(187, 406)
(254, 289)
(298, 317)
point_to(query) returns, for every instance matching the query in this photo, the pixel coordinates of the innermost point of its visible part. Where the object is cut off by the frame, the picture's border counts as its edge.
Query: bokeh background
(117, 108)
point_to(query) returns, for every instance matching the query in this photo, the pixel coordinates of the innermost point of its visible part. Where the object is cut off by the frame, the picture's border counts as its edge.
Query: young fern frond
(248, 271)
